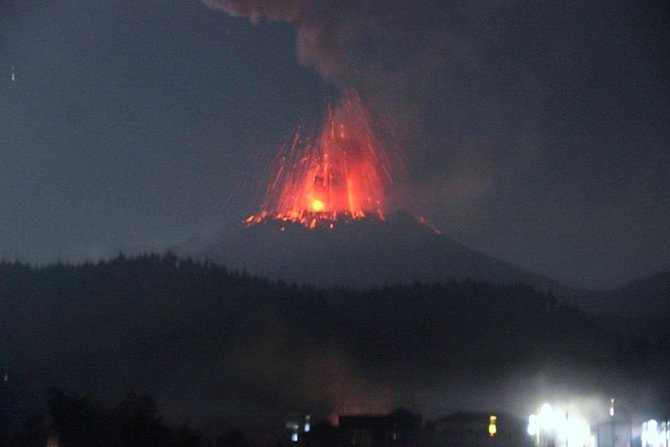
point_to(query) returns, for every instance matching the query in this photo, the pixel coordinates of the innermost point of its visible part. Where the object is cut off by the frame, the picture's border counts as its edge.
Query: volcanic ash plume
(343, 172)
(316, 37)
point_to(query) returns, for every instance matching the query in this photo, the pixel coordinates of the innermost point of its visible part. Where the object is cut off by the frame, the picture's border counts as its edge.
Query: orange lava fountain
(341, 174)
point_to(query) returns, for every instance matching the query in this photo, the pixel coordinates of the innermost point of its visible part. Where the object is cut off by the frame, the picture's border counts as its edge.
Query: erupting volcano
(324, 219)
(341, 173)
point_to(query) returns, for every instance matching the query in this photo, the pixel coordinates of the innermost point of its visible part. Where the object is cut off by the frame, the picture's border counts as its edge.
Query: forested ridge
(209, 342)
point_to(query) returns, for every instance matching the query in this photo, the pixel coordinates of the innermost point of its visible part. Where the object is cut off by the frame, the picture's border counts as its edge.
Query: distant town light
(493, 425)
(612, 407)
(577, 431)
(555, 425)
(546, 417)
(650, 435)
(532, 425)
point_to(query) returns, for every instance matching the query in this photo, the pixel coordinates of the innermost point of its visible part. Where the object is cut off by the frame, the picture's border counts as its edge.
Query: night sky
(537, 132)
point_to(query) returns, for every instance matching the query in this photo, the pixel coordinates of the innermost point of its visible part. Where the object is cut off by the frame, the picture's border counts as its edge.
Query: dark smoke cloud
(400, 56)
(374, 46)
(330, 34)
(317, 41)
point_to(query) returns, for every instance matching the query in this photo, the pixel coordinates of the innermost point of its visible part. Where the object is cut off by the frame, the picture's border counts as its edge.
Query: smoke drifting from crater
(317, 42)
(382, 49)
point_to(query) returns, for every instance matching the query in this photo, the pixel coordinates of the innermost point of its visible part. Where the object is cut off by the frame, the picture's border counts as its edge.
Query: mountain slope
(648, 297)
(361, 253)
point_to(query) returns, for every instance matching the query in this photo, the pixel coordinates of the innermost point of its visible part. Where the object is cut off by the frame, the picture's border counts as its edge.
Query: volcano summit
(355, 252)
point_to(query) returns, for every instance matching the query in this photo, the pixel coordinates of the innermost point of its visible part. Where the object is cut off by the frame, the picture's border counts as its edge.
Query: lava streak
(342, 173)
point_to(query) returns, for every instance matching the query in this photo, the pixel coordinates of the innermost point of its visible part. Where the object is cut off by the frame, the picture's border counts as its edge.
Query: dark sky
(538, 132)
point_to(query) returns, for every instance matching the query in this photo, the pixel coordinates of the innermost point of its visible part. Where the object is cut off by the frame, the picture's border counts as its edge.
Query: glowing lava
(342, 173)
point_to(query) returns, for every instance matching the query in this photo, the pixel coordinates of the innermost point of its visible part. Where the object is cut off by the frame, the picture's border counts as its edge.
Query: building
(8, 393)
(323, 434)
(473, 429)
(400, 428)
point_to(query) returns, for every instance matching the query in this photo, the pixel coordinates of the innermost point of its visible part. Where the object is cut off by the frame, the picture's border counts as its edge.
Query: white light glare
(578, 431)
(532, 425)
(548, 419)
(650, 433)
(555, 424)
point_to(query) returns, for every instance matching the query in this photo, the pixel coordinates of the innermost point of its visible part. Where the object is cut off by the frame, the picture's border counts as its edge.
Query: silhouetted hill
(210, 343)
(648, 297)
(366, 252)
(400, 250)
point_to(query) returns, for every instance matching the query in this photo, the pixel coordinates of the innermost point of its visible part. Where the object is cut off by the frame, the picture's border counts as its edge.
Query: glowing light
(650, 434)
(560, 427)
(612, 407)
(341, 173)
(493, 425)
(317, 206)
(294, 428)
(546, 417)
(577, 431)
(532, 428)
